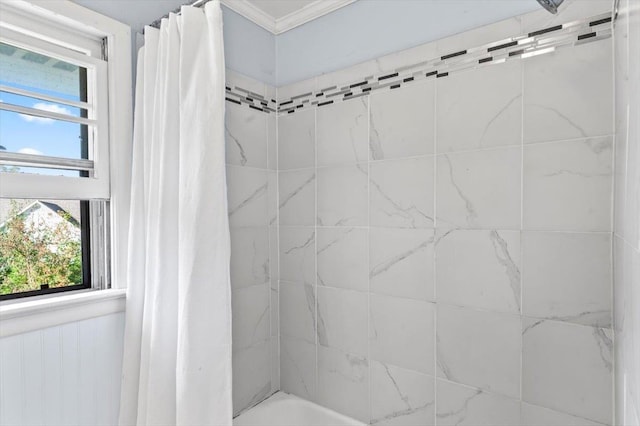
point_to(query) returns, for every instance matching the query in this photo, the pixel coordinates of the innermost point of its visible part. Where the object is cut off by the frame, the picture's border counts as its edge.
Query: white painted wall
(249, 49)
(64, 375)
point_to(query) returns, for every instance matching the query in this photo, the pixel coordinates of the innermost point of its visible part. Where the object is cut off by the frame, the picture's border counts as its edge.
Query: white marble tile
(274, 310)
(628, 337)
(568, 367)
(402, 332)
(401, 397)
(566, 95)
(402, 122)
(251, 376)
(402, 262)
(296, 140)
(490, 278)
(621, 289)
(298, 367)
(343, 258)
(274, 262)
(567, 185)
(297, 312)
(343, 320)
(627, 323)
(250, 263)
(342, 132)
(620, 179)
(480, 108)
(567, 277)
(272, 142)
(247, 191)
(632, 229)
(272, 197)
(251, 316)
(533, 415)
(246, 136)
(402, 193)
(343, 383)
(479, 348)
(297, 255)
(479, 189)
(342, 196)
(297, 192)
(461, 405)
(621, 125)
(275, 363)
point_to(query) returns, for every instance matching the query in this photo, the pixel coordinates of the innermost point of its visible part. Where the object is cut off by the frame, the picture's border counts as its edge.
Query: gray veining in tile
(402, 193)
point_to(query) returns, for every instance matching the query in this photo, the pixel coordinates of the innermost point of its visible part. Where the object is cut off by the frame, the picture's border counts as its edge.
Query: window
(55, 190)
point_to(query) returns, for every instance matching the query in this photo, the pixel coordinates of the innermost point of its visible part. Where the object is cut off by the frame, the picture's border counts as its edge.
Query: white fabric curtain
(177, 358)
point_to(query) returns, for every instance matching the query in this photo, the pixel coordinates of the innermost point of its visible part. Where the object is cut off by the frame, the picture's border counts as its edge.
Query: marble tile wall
(252, 196)
(627, 213)
(445, 247)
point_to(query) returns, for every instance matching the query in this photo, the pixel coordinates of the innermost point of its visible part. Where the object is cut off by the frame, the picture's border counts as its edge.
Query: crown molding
(309, 13)
(252, 13)
(277, 26)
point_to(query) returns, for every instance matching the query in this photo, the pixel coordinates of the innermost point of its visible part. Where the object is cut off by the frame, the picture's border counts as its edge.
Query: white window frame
(24, 185)
(69, 23)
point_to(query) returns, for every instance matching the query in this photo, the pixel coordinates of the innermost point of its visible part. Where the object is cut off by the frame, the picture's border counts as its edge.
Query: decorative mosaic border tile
(253, 100)
(534, 43)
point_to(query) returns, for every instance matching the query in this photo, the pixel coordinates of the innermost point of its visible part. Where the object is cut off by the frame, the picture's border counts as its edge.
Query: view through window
(41, 245)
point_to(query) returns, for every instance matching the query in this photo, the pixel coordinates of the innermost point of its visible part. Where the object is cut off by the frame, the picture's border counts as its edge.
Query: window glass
(27, 134)
(41, 245)
(23, 69)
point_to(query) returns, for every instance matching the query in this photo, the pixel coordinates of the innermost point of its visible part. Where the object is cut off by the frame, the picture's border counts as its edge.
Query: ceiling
(280, 8)
(135, 13)
(278, 16)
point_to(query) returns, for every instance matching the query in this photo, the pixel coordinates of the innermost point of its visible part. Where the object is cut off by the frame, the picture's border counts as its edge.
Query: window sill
(25, 316)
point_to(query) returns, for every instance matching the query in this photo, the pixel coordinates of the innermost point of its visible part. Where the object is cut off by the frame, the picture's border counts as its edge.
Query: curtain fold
(177, 359)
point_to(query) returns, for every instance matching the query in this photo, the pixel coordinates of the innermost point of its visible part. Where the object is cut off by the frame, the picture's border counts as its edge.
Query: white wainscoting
(63, 375)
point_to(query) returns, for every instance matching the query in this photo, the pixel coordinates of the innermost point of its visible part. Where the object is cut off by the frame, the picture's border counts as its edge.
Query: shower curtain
(177, 359)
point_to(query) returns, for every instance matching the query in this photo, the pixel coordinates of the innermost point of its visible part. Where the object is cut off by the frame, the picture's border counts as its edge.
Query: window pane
(27, 134)
(41, 244)
(32, 71)
(26, 101)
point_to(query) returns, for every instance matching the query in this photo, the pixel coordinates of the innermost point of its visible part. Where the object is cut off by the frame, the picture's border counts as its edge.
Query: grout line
(315, 250)
(500, 229)
(522, 144)
(368, 142)
(434, 273)
(277, 248)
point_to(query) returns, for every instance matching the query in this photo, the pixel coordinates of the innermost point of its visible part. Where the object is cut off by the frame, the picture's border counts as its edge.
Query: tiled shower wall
(251, 179)
(627, 213)
(445, 246)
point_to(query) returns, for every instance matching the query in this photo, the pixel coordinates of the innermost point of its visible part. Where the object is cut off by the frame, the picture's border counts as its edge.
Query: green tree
(33, 253)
